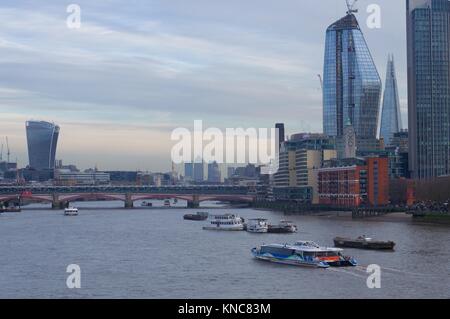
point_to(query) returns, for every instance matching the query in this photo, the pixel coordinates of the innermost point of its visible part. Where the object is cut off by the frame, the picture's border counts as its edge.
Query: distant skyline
(136, 70)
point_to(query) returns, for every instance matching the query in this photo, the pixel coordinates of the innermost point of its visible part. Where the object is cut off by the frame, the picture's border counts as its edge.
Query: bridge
(61, 196)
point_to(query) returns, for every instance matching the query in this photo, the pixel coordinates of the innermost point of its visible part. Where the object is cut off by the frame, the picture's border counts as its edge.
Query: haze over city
(122, 82)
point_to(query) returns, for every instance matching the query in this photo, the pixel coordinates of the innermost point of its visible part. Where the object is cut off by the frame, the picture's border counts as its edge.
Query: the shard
(391, 121)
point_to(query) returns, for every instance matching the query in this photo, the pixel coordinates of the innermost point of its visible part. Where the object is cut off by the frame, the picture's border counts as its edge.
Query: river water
(154, 253)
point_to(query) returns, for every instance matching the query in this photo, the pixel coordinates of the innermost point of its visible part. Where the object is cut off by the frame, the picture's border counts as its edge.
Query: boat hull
(362, 244)
(223, 228)
(287, 261)
(195, 217)
(281, 230)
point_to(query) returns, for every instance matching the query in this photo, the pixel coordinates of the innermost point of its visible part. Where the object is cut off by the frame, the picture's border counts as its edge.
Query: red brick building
(355, 182)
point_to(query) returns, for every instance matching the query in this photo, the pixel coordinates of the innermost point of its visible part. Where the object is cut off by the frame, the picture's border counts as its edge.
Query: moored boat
(228, 222)
(71, 211)
(363, 242)
(257, 225)
(199, 216)
(167, 202)
(146, 204)
(283, 227)
(303, 253)
(14, 209)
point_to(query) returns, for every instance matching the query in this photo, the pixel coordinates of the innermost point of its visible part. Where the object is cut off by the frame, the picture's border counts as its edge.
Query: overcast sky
(137, 69)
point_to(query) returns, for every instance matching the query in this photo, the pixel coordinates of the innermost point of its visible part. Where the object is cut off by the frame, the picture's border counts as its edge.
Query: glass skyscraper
(391, 121)
(428, 34)
(42, 139)
(351, 83)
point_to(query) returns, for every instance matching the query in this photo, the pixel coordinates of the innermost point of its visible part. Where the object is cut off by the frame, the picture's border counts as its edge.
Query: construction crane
(7, 149)
(351, 6)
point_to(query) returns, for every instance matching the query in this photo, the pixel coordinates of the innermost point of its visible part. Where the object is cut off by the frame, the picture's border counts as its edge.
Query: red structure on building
(355, 182)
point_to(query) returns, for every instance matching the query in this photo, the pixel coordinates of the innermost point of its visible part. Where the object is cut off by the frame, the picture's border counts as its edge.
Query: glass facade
(42, 139)
(391, 121)
(351, 83)
(428, 28)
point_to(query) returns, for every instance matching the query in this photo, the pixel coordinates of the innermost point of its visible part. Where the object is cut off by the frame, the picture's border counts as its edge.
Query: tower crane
(351, 6)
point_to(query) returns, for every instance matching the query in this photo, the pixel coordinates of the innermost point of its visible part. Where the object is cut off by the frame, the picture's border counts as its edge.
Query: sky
(137, 69)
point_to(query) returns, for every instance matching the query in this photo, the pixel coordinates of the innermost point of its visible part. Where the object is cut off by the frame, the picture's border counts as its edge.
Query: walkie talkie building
(351, 83)
(42, 139)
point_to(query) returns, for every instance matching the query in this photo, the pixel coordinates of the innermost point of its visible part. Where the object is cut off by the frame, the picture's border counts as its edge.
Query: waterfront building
(355, 181)
(391, 121)
(42, 139)
(299, 161)
(64, 177)
(351, 83)
(428, 43)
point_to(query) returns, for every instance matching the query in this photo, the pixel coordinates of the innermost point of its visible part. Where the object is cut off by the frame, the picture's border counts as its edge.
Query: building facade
(214, 174)
(391, 121)
(428, 38)
(351, 83)
(42, 139)
(354, 182)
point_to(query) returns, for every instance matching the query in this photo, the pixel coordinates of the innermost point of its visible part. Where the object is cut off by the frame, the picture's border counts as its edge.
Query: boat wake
(346, 271)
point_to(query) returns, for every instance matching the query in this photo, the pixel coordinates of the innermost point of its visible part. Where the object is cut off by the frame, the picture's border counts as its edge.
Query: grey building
(428, 38)
(351, 83)
(42, 139)
(214, 175)
(391, 121)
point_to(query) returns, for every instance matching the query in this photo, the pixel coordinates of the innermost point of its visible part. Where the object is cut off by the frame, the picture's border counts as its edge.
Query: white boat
(224, 222)
(257, 225)
(303, 253)
(71, 211)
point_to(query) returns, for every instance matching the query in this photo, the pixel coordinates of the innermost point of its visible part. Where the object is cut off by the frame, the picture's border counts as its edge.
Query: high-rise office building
(42, 139)
(281, 132)
(428, 35)
(391, 121)
(199, 175)
(351, 83)
(214, 175)
(189, 171)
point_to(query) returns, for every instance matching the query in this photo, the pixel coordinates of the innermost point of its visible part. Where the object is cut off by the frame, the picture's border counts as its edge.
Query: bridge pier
(194, 203)
(128, 201)
(56, 204)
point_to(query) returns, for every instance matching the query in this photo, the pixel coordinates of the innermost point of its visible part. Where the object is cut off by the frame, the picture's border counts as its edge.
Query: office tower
(351, 84)
(214, 175)
(281, 132)
(428, 35)
(199, 175)
(189, 171)
(42, 138)
(391, 121)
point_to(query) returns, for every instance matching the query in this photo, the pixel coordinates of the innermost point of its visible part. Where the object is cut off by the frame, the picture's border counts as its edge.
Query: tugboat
(284, 227)
(199, 216)
(303, 253)
(71, 211)
(363, 242)
(257, 225)
(228, 222)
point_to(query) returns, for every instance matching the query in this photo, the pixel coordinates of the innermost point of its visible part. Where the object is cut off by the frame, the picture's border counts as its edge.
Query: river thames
(154, 253)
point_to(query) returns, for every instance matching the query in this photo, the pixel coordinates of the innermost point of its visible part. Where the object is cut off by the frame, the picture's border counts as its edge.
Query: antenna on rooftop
(351, 6)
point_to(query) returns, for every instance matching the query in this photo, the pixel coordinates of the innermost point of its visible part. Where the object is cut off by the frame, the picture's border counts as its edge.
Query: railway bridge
(61, 196)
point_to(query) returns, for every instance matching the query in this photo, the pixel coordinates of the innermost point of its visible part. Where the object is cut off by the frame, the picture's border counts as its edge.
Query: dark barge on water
(199, 216)
(363, 242)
